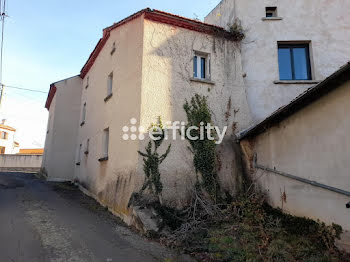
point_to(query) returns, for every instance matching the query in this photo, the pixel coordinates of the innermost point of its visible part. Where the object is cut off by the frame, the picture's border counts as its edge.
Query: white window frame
(207, 73)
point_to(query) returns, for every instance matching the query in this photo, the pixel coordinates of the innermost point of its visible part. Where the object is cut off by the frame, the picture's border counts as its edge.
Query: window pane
(195, 66)
(285, 64)
(202, 67)
(301, 66)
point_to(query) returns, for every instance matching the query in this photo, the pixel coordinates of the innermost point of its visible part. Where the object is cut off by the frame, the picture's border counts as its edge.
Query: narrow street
(41, 221)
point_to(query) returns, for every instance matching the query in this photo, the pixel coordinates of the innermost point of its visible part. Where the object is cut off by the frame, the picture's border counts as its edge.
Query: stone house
(143, 67)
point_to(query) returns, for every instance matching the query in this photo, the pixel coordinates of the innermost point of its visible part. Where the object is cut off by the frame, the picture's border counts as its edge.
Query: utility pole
(1, 94)
(2, 15)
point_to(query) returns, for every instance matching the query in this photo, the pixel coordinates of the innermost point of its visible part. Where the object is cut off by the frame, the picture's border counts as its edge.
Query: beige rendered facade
(150, 60)
(311, 143)
(63, 104)
(322, 25)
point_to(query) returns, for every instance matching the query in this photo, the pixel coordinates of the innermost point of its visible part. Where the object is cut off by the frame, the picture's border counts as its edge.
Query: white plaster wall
(9, 142)
(166, 84)
(60, 144)
(112, 182)
(325, 23)
(313, 144)
(20, 162)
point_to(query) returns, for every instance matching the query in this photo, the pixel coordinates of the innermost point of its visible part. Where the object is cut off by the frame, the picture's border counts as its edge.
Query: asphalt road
(41, 221)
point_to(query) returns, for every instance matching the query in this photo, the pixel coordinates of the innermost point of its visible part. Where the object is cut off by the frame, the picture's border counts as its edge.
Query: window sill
(271, 18)
(82, 123)
(296, 82)
(199, 80)
(77, 164)
(102, 159)
(108, 97)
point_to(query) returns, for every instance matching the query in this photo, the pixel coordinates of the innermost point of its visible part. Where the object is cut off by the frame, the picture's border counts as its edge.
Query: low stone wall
(20, 163)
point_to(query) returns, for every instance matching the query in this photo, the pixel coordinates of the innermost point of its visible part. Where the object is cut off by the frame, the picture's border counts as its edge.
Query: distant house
(31, 151)
(7, 143)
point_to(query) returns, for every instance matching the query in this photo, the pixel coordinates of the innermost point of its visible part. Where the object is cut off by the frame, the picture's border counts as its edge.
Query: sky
(46, 41)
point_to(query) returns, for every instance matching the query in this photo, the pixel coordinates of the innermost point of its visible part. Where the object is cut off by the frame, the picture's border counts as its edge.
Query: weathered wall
(166, 84)
(313, 144)
(152, 67)
(325, 23)
(20, 163)
(60, 144)
(112, 182)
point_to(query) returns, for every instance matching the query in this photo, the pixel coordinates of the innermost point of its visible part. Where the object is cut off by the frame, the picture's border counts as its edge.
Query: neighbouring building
(63, 103)
(289, 46)
(8, 145)
(299, 155)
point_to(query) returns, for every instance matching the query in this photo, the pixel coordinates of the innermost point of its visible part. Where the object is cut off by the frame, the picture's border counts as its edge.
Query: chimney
(3, 121)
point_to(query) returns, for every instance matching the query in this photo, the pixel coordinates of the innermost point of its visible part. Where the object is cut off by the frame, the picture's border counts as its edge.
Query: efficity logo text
(175, 130)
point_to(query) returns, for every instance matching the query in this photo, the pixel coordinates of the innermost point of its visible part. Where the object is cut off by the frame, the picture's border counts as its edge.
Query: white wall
(20, 163)
(61, 139)
(313, 144)
(325, 23)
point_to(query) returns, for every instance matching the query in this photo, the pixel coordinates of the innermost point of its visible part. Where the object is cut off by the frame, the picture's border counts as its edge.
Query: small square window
(201, 65)
(294, 61)
(271, 11)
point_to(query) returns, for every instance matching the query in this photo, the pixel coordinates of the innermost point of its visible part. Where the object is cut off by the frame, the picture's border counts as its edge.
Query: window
(113, 48)
(79, 154)
(83, 115)
(110, 84)
(2, 150)
(201, 65)
(271, 11)
(4, 135)
(87, 82)
(105, 145)
(87, 147)
(294, 62)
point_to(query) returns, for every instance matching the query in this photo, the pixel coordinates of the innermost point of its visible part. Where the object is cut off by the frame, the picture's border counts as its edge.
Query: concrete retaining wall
(20, 163)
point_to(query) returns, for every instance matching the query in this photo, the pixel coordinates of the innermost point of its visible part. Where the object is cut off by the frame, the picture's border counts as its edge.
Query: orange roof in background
(7, 127)
(31, 151)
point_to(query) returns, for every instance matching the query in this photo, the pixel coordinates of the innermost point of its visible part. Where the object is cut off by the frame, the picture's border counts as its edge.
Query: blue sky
(46, 41)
